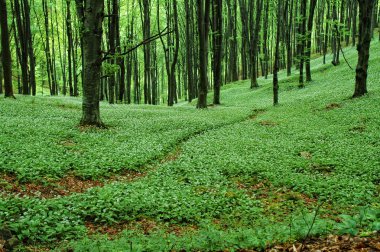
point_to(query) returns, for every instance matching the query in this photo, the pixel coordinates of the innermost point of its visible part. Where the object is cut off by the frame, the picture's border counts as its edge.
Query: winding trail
(71, 184)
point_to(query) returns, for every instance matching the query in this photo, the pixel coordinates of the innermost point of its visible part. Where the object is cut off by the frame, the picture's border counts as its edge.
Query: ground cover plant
(243, 175)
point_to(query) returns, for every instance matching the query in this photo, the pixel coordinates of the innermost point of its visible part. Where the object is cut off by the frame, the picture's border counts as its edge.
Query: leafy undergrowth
(247, 176)
(41, 140)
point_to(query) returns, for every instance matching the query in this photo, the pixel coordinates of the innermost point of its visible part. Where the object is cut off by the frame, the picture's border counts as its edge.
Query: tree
(313, 4)
(6, 52)
(277, 54)
(91, 15)
(365, 19)
(171, 50)
(203, 14)
(301, 43)
(217, 40)
(145, 9)
(255, 41)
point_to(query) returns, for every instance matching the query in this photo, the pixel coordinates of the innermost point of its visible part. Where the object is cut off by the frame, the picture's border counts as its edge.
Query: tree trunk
(254, 43)
(217, 26)
(313, 4)
(91, 16)
(70, 48)
(203, 11)
(32, 60)
(325, 43)
(19, 14)
(277, 56)
(6, 52)
(189, 50)
(1, 73)
(365, 18)
(302, 37)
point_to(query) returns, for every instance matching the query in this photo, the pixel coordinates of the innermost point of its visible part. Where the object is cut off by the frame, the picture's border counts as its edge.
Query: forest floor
(241, 176)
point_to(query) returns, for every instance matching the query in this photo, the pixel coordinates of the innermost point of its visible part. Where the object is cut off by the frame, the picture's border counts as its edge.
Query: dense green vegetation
(243, 174)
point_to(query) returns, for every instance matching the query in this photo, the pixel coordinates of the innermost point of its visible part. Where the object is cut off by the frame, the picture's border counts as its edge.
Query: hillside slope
(241, 175)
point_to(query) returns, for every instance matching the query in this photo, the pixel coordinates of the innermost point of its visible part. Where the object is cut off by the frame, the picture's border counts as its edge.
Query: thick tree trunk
(6, 52)
(365, 18)
(91, 14)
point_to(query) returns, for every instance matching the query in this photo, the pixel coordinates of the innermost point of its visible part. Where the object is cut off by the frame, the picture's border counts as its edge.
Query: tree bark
(277, 56)
(254, 43)
(91, 15)
(313, 4)
(6, 52)
(217, 26)
(302, 37)
(365, 18)
(203, 11)
(189, 50)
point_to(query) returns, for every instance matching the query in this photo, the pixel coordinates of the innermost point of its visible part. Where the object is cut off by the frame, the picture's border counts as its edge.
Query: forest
(190, 125)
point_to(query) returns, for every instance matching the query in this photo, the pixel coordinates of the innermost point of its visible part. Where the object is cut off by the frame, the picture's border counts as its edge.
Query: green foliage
(367, 220)
(247, 174)
(41, 139)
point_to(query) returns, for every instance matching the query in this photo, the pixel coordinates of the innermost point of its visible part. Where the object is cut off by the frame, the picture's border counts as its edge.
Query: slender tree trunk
(217, 26)
(112, 48)
(70, 48)
(277, 54)
(145, 16)
(254, 44)
(302, 37)
(203, 12)
(189, 50)
(1, 73)
(244, 38)
(354, 22)
(365, 18)
(335, 37)
(313, 4)
(289, 31)
(325, 43)
(32, 60)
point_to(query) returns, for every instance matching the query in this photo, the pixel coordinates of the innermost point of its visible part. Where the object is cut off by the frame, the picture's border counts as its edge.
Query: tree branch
(108, 54)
